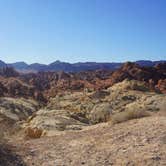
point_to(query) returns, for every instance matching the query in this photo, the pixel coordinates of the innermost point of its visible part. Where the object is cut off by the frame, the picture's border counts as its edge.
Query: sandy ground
(133, 143)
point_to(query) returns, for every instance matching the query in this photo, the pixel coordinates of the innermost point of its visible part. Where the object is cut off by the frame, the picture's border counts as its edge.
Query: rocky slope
(43, 85)
(135, 142)
(88, 118)
(73, 111)
(13, 111)
(52, 83)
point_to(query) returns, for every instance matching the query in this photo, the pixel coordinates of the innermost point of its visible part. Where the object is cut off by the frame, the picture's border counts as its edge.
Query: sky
(44, 31)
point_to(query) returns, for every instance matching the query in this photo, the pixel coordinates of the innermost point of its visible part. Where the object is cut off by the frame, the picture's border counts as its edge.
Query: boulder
(17, 109)
(51, 121)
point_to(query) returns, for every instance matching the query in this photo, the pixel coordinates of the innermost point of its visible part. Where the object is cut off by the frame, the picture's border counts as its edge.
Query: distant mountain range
(71, 67)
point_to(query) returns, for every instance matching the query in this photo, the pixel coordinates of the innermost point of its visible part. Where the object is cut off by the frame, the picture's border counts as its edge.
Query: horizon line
(81, 61)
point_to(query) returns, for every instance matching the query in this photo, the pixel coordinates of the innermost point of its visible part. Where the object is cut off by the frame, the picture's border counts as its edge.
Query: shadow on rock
(9, 158)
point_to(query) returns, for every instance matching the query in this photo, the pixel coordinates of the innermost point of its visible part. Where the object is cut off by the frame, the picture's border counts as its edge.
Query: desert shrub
(128, 115)
(100, 113)
(33, 132)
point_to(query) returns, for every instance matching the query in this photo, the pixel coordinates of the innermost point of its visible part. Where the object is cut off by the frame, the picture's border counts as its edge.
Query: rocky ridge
(44, 85)
(72, 118)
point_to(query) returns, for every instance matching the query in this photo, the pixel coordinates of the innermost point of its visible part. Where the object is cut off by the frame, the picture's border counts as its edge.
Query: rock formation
(72, 118)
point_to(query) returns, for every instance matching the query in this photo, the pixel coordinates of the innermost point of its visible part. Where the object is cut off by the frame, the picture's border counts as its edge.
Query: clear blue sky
(82, 30)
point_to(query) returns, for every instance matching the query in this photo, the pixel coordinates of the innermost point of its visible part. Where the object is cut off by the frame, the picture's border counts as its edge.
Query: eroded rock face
(161, 85)
(134, 71)
(3, 89)
(12, 111)
(17, 109)
(74, 111)
(78, 99)
(51, 121)
(15, 87)
(44, 85)
(134, 94)
(8, 72)
(98, 80)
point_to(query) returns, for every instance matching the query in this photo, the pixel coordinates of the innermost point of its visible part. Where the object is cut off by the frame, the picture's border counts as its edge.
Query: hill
(96, 117)
(140, 141)
(72, 67)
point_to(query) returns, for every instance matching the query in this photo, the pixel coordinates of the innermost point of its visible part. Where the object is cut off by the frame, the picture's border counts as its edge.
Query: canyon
(94, 117)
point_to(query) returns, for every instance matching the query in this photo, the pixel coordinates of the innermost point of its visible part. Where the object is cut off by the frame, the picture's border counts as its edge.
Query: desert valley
(93, 118)
(82, 83)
